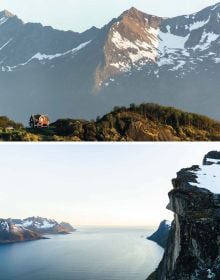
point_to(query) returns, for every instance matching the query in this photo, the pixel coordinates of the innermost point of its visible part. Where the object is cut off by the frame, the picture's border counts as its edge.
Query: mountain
(135, 58)
(11, 233)
(29, 229)
(162, 233)
(43, 225)
(193, 247)
(147, 122)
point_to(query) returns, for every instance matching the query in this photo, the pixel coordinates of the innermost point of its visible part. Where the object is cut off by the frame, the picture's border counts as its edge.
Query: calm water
(88, 254)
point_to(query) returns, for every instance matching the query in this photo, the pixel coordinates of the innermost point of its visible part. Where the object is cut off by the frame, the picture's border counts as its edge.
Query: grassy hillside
(146, 122)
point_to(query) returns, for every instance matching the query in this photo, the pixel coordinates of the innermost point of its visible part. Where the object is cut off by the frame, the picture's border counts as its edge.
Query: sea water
(87, 254)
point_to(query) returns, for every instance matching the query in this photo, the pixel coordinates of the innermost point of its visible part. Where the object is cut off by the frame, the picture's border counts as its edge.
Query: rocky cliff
(193, 248)
(162, 233)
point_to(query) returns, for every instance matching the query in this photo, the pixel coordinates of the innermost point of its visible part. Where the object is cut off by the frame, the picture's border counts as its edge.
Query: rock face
(11, 233)
(193, 248)
(131, 41)
(43, 225)
(161, 235)
(135, 58)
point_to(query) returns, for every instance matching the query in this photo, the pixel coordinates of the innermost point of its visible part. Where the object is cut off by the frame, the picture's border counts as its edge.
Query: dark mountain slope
(10, 233)
(133, 59)
(161, 235)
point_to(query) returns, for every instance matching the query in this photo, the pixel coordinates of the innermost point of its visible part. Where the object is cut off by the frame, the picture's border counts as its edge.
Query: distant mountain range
(134, 58)
(29, 229)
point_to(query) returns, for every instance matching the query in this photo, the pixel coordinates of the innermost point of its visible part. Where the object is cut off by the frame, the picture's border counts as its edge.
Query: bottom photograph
(110, 211)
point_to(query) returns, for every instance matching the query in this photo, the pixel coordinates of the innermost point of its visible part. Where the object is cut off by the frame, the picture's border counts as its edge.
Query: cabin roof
(37, 117)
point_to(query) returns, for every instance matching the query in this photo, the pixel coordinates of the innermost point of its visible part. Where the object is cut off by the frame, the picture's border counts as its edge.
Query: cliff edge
(193, 247)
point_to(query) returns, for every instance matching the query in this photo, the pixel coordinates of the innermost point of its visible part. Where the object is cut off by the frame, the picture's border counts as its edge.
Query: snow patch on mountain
(42, 224)
(172, 50)
(26, 223)
(208, 177)
(40, 56)
(212, 160)
(171, 41)
(137, 50)
(3, 20)
(198, 24)
(217, 59)
(215, 7)
(45, 224)
(165, 61)
(180, 65)
(122, 43)
(206, 40)
(4, 45)
(122, 66)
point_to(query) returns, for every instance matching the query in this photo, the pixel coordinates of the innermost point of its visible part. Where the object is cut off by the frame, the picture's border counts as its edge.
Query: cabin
(39, 121)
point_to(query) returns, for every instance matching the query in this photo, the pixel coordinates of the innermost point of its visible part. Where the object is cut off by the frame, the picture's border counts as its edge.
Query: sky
(79, 15)
(109, 184)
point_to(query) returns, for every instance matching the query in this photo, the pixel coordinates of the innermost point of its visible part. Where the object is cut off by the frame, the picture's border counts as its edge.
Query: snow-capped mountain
(43, 225)
(32, 228)
(135, 58)
(10, 233)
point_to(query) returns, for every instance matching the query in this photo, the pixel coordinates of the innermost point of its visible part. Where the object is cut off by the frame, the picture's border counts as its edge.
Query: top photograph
(109, 71)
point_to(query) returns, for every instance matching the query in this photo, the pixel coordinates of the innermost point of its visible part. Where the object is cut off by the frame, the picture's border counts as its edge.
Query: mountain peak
(132, 41)
(132, 10)
(135, 13)
(6, 13)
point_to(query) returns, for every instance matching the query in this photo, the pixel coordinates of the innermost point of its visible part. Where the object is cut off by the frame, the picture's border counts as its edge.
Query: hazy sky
(79, 15)
(93, 184)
